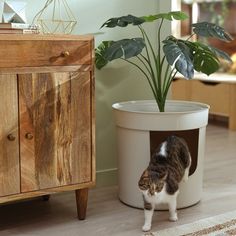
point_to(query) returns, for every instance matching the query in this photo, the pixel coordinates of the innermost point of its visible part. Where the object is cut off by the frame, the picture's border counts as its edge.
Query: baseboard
(106, 177)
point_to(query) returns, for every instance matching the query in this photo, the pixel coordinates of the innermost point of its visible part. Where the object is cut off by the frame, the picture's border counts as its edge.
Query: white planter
(134, 121)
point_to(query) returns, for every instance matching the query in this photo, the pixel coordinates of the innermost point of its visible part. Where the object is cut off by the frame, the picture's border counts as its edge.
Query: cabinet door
(9, 146)
(55, 129)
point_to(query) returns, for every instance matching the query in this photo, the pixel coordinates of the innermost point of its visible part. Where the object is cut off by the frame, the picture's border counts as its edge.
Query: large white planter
(134, 121)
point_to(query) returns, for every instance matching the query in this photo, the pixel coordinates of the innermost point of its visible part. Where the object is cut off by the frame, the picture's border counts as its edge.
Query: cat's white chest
(160, 197)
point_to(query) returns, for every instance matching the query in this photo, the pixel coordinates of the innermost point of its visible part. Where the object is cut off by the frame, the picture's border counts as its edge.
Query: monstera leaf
(207, 29)
(179, 55)
(126, 48)
(220, 54)
(205, 60)
(174, 15)
(205, 63)
(188, 56)
(123, 21)
(111, 50)
(100, 60)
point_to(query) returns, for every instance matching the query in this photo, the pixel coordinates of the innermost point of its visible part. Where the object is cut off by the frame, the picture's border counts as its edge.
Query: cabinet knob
(65, 54)
(29, 136)
(11, 137)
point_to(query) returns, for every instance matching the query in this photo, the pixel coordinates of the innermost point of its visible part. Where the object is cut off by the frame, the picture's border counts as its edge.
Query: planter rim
(189, 107)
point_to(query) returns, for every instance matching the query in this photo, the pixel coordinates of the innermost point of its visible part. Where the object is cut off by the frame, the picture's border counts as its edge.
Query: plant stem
(172, 75)
(152, 76)
(159, 67)
(148, 46)
(145, 74)
(155, 77)
(190, 36)
(144, 64)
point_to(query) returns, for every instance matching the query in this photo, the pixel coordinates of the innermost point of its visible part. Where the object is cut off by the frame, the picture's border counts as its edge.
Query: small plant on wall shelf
(183, 56)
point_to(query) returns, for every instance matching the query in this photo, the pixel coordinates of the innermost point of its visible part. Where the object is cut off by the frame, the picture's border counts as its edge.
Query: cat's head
(145, 181)
(149, 182)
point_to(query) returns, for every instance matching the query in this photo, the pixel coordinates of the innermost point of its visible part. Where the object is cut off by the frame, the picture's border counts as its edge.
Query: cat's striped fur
(159, 183)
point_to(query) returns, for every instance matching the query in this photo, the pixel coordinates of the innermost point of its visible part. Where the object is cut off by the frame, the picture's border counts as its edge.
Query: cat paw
(146, 228)
(173, 218)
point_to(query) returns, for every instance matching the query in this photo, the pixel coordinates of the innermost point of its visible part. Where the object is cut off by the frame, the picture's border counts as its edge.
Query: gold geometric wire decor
(55, 17)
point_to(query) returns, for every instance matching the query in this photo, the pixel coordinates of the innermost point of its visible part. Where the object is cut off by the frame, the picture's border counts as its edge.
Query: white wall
(118, 82)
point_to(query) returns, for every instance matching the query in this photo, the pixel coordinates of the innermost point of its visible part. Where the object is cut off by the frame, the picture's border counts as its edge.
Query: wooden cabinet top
(10, 37)
(27, 53)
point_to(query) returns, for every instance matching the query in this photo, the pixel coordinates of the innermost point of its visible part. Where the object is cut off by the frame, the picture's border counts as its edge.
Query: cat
(159, 183)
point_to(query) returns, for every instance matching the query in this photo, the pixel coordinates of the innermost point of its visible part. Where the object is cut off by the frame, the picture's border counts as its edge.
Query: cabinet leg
(45, 198)
(81, 202)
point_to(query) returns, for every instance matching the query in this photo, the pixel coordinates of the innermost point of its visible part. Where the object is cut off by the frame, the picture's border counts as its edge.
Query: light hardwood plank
(82, 122)
(45, 69)
(30, 195)
(43, 51)
(55, 109)
(9, 141)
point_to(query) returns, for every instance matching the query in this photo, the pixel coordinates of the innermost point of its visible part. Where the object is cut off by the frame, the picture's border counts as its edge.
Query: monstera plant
(183, 56)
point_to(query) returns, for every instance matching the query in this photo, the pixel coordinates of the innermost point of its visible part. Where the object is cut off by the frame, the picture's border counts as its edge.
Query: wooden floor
(106, 216)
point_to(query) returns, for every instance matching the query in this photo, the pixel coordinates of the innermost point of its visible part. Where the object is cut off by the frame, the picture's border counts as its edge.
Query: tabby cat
(159, 183)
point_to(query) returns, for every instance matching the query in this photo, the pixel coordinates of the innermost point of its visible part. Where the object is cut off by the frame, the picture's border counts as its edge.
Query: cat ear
(145, 173)
(164, 176)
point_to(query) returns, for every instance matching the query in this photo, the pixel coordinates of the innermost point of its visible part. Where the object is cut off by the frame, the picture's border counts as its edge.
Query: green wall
(118, 81)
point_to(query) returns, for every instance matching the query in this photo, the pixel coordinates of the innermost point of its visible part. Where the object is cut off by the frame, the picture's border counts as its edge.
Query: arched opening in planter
(190, 136)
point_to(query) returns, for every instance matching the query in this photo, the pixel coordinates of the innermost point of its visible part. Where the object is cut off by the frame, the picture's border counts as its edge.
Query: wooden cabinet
(47, 140)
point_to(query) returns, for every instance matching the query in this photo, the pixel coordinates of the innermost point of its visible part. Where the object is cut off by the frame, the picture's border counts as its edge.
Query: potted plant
(142, 125)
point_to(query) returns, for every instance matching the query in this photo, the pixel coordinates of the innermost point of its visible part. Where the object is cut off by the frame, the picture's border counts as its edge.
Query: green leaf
(187, 56)
(123, 21)
(174, 15)
(111, 50)
(149, 18)
(125, 48)
(217, 52)
(221, 54)
(204, 59)
(207, 29)
(179, 55)
(100, 60)
(205, 63)
(178, 15)
(166, 16)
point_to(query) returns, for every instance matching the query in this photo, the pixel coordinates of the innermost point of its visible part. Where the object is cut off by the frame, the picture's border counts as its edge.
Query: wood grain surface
(48, 191)
(55, 109)
(81, 202)
(28, 53)
(9, 151)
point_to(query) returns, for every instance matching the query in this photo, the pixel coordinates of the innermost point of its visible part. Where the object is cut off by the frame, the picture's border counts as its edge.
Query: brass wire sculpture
(55, 17)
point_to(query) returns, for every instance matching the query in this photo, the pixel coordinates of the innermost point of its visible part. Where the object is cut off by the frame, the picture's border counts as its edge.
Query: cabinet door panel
(81, 123)
(52, 111)
(9, 145)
